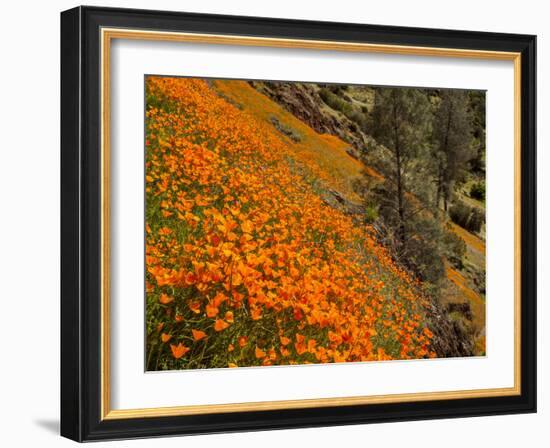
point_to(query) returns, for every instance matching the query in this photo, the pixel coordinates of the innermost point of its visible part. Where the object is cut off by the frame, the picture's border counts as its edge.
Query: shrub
(370, 214)
(459, 213)
(286, 130)
(422, 252)
(469, 218)
(357, 117)
(477, 191)
(455, 248)
(335, 102)
(477, 218)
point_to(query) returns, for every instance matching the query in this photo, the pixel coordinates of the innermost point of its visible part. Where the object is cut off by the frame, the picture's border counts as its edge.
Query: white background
(29, 228)
(133, 388)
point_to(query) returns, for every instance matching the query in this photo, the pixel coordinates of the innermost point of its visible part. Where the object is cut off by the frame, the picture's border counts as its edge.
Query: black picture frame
(81, 224)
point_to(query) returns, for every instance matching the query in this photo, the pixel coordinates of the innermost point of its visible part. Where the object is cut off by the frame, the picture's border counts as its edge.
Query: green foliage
(422, 251)
(358, 117)
(283, 128)
(370, 213)
(454, 248)
(469, 218)
(460, 213)
(477, 113)
(422, 135)
(401, 121)
(335, 101)
(477, 219)
(452, 137)
(479, 278)
(477, 191)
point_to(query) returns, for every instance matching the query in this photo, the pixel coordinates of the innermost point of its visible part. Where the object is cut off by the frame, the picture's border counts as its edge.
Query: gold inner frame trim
(107, 35)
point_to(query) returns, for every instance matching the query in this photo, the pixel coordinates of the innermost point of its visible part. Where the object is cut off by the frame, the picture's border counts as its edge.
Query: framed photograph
(276, 224)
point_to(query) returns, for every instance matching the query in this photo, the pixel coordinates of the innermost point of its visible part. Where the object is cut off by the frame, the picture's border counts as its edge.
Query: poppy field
(247, 263)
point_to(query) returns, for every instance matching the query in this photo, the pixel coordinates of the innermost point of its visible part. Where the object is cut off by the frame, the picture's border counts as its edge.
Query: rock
(303, 101)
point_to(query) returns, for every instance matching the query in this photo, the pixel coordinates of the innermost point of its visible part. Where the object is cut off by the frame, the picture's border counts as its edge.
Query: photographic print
(297, 223)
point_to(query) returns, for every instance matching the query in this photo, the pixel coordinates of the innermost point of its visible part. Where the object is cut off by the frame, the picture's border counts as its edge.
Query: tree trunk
(399, 179)
(400, 204)
(446, 172)
(439, 182)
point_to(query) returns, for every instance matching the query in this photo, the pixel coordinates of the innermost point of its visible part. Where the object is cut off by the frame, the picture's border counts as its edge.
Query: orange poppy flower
(212, 310)
(259, 353)
(284, 340)
(220, 325)
(195, 307)
(165, 299)
(179, 350)
(198, 334)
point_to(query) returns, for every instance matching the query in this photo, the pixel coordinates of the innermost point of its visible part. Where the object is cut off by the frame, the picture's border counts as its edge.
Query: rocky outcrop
(303, 101)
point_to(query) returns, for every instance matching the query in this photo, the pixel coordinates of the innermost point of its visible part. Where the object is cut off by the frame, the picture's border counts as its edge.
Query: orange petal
(259, 353)
(212, 310)
(220, 325)
(198, 335)
(300, 348)
(284, 340)
(179, 350)
(165, 299)
(256, 313)
(195, 307)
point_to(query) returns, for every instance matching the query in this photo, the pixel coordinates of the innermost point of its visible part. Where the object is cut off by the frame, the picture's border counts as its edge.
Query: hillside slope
(247, 262)
(300, 107)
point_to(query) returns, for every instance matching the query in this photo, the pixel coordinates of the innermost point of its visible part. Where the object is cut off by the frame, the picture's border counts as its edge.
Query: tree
(453, 137)
(477, 111)
(400, 122)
